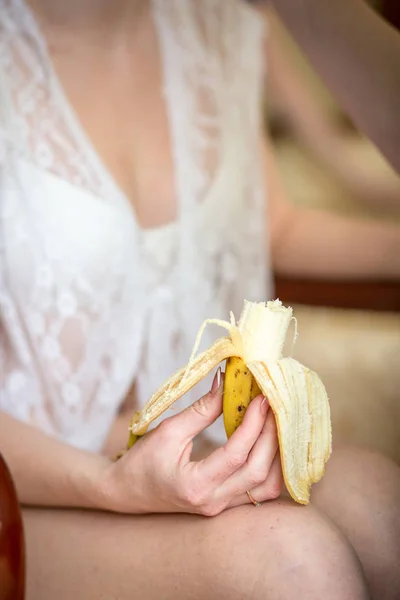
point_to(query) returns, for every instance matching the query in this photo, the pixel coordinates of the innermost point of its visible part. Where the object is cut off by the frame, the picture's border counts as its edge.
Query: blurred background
(349, 333)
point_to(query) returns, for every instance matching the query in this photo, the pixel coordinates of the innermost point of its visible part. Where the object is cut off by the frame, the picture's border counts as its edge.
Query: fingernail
(264, 406)
(216, 381)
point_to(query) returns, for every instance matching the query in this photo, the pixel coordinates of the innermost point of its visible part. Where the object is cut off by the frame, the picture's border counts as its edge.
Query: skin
(323, 548)
(347, 156)
(364, 507)
(276, 551)
(304, 242)
(166, 478)
(357, 54)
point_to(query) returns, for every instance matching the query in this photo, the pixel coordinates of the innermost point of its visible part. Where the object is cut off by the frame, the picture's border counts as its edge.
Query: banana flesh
(254, 353)
(301, 408)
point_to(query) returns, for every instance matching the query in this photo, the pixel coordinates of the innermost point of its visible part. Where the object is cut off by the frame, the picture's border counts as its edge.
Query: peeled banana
(255, 364)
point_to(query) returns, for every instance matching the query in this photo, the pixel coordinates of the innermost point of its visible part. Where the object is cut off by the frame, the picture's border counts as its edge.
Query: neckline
(80, 135)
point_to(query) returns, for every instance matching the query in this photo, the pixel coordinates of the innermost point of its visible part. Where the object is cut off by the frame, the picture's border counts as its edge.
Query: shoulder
(242, 14)
(18, 52)
(235, 30)
(8, 33)
(244, 30)
(213, 19)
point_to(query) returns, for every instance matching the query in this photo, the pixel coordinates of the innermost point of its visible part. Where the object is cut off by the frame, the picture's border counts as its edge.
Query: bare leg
(361, 494)
(278, 551)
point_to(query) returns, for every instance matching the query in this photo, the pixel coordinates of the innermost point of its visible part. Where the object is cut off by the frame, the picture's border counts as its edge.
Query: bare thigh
(274, 552)
(361, 494)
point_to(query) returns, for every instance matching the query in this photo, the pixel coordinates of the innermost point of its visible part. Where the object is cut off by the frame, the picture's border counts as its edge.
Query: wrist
(111, 488)
(88, 482)
(119, 491)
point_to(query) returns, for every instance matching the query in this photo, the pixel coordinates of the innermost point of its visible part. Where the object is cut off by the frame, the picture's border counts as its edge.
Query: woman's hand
(157, 474)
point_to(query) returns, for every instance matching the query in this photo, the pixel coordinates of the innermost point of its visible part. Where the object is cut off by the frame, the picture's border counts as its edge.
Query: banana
(253, 352)
(240, 388)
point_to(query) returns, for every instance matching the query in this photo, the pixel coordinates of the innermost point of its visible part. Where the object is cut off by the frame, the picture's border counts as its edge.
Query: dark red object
(391, 11)
(12, 543)
(383, 296)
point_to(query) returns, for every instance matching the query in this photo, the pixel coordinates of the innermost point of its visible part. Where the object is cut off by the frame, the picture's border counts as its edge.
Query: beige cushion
(357, 355)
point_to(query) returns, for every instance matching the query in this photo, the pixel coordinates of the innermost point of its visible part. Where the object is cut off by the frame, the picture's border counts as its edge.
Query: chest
(163, 115)
(117, 97)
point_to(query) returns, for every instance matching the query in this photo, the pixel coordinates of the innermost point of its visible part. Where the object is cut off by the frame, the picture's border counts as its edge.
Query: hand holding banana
(157, 475)
(255, 363)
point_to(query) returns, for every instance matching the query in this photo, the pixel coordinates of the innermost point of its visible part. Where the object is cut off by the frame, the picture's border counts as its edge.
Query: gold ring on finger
(254, 502)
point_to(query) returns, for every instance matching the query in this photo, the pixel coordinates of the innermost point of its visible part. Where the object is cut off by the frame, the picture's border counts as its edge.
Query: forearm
(358, 55)
(307, 116)
(324, 245)
(48, 472)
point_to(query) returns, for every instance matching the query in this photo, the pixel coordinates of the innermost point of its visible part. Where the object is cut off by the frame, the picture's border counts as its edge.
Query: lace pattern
(79, 320)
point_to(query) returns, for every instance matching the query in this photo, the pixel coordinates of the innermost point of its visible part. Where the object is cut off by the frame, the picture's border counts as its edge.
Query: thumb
(202, 413)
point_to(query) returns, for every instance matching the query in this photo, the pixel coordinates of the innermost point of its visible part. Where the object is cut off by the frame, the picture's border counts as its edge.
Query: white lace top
(91, 302)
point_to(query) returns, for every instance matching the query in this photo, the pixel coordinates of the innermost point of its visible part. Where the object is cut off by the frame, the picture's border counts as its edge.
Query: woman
(133, 207)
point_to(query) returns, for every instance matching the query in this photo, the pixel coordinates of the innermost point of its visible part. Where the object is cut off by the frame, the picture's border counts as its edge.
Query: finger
(258, 464)
(268, 490)
(200, 415)
(229, 458)
(273, 486)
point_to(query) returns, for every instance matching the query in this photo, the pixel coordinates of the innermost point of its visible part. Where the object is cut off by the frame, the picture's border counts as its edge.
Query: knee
(360, 493)
(362, 488)
(284, 551)
(360, 461)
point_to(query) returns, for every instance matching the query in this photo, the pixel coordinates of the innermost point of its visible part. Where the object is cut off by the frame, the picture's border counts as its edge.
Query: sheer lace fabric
(90, 301)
